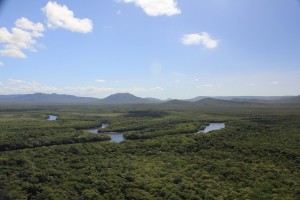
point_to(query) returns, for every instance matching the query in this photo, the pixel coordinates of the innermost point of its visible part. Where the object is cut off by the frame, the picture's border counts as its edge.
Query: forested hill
(41, 98)
(127, 98)
(243, 98)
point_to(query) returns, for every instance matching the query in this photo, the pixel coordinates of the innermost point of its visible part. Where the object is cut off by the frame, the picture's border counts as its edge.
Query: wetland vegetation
(255, 157)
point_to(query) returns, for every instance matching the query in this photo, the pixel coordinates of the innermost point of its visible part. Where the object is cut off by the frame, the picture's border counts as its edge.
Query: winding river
(115, 137)
(119, 137)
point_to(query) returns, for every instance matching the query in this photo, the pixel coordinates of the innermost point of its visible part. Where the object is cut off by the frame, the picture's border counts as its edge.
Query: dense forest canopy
(255, 157)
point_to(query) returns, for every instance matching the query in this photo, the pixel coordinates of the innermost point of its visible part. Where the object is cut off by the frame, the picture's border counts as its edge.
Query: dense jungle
(256, 155)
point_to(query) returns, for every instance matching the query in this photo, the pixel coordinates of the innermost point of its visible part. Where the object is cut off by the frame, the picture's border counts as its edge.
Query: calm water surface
(119, 137)
(115, 137)
(213, 127)
(52, 117)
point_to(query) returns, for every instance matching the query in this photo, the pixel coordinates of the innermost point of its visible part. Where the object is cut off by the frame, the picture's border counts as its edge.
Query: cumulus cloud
(1, 64)
(21, 37)
(60, 16)
(37, 29)
(199, 39)
(157, 7)
(100, 81)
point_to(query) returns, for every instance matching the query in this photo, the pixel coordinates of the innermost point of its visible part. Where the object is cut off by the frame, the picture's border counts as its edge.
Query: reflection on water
(104, 125)
(212, 127)
(119, 137)
(52, 117)
(115, 137)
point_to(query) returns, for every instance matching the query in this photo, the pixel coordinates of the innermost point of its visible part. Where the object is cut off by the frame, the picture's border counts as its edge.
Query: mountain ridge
(127, 98)
(42, 98)
(124, 98)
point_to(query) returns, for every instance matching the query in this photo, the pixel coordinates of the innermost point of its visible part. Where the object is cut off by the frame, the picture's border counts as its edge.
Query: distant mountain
(41, 98)
(212, 102)
(169, 99)
(154, 100)
(177, 102)
(254, 98)
(196, 98)
(217, 102)
(124, 98)
(8, 98)
(240, 98)
(127, 98)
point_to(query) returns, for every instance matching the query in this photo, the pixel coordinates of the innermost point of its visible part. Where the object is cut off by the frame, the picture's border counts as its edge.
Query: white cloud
(100, 81)
(157, 7)
(199, 39)
(196, 79)
(5, 35)
(275, 82)
(20, 38)
(60, 16)
(16, 81)
(158, 89)
(15, 53)
(1, 64)
(37, 29)
(252, 84)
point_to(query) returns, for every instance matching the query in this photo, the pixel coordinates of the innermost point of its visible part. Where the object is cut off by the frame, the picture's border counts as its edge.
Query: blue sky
(158, 48)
